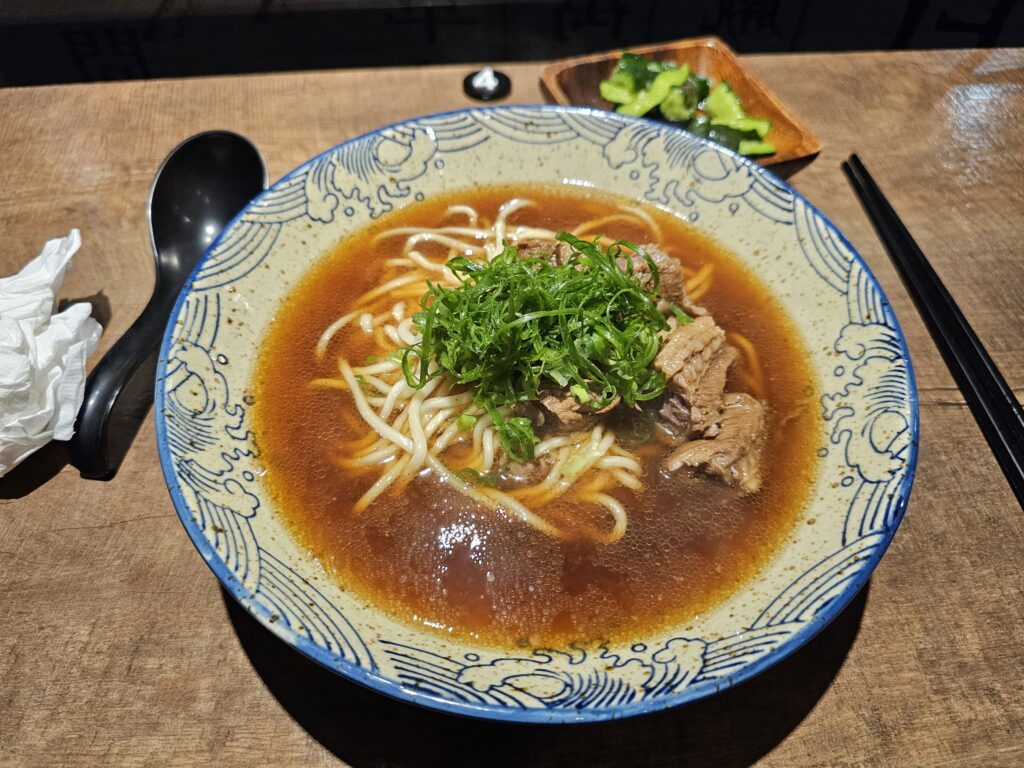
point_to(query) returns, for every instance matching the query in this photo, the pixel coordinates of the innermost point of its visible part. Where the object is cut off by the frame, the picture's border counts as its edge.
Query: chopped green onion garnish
(681, 316)
(515, 327)
(573, 465)
(471, 475)
(581, 394)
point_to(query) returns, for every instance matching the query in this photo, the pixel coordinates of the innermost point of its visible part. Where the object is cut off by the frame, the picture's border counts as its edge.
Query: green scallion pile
(516, 327)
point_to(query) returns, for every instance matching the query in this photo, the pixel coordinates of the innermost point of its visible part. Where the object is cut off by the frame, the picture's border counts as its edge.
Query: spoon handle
(119, 392)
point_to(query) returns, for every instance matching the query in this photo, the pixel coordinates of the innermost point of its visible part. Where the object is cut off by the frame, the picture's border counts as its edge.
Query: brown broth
(432, 557)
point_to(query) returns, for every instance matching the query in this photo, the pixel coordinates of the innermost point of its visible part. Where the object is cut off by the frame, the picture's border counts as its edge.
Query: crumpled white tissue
(42, 357)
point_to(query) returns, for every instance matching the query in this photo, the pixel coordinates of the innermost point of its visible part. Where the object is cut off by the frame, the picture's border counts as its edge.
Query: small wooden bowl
(576, 81)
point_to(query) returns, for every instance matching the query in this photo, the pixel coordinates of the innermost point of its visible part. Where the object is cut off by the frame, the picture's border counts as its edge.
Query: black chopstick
(990, 399)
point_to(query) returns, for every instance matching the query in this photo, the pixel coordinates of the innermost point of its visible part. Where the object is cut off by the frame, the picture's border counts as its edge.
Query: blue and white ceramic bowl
(868, 410)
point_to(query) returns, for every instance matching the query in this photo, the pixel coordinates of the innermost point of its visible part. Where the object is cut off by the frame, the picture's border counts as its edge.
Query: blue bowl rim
(541, 716)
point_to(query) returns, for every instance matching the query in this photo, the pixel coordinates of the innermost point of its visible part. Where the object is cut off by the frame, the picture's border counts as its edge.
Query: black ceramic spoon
(198, 189)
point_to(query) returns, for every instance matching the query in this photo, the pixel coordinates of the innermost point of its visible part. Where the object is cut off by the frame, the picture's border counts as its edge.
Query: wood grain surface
(118, 648)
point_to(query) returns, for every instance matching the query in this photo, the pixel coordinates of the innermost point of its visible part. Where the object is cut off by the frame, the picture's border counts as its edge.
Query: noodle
(466, 210)
(382, 367)
(751, 374)
(389, 286)
(634, 216)
(363, 442)
(331, 383)
(382, 484)
(327, 335)
(698, 285)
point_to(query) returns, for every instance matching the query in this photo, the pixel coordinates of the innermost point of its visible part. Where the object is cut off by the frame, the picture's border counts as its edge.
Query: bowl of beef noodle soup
(537, 413)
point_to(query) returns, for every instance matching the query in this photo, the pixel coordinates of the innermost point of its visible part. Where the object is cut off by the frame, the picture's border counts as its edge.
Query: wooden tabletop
(117, 646)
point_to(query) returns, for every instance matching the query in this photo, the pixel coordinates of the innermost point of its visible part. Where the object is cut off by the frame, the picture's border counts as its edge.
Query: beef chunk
(688, 350)
(670, 276)
(566, 410)
(674, 417)
(569, 414)
(696, 360)
(734, 454)
(555, 251)
(706, 404)
(521, 475)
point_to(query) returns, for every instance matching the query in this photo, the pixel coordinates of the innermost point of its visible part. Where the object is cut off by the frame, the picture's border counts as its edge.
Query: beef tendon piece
(687, 351)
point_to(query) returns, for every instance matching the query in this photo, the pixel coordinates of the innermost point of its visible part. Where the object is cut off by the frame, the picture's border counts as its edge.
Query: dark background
(55, 41)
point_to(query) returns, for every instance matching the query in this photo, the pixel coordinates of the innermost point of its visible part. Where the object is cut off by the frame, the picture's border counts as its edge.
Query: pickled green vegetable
(646, 100)
(752, 147)
(723, 104)
(640, 86)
